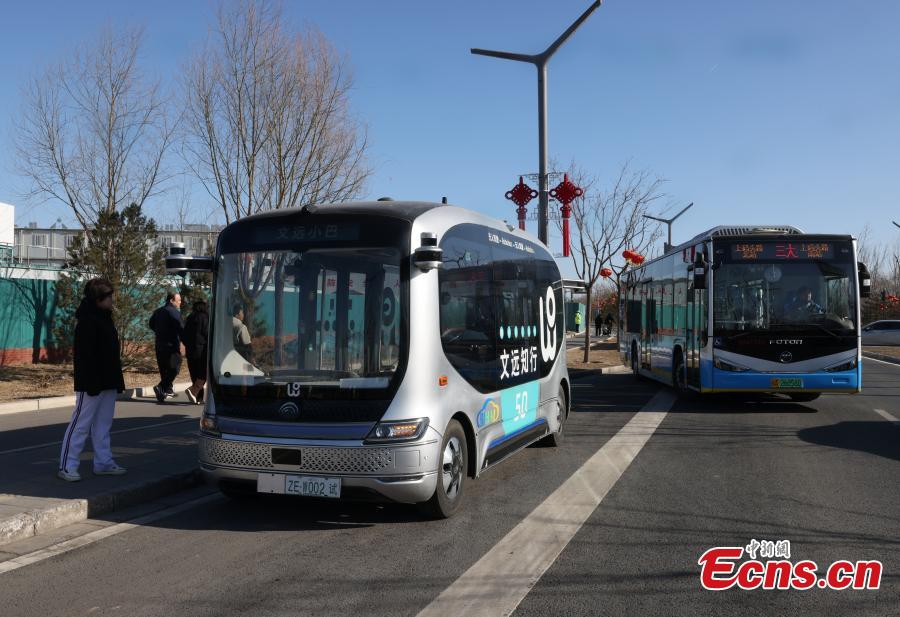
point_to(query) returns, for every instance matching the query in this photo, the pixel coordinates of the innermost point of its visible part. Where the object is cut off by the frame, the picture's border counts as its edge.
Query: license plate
(789, 382)
(303, 486)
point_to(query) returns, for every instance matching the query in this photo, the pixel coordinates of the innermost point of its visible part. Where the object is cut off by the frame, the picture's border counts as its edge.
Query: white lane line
(119, 432)
(894, 364)
(498, 581)
(887, 416)
(105, 532)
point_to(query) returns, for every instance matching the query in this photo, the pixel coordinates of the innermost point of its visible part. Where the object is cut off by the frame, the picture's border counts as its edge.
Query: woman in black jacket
(98, 379)
(196, 339)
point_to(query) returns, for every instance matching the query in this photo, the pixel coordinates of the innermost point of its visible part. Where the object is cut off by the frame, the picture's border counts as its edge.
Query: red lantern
(606, 273)
(628, 255)
(638, 259)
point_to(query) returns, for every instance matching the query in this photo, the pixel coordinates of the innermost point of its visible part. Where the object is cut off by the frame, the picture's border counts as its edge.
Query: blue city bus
(761, 309)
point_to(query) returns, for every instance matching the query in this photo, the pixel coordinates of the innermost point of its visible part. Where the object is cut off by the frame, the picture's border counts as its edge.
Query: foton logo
(786, 341)
(547, 308)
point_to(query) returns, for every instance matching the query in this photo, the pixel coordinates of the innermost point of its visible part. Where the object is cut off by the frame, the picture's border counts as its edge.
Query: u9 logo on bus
(293, 389)
(547, 312)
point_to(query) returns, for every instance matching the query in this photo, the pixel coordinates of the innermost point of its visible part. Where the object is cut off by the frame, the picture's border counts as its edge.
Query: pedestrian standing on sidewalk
(196, 337)
(169, 331)
(98, 379)
(598, 324)
(577, 322)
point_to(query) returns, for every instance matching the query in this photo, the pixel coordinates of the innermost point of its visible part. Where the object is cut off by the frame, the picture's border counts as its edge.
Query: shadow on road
(739, 404)
(876, 437)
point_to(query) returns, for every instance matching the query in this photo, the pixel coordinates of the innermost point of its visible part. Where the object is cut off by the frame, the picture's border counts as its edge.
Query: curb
(881, 356)
(616, 370)
(41, 520)
(54, 402)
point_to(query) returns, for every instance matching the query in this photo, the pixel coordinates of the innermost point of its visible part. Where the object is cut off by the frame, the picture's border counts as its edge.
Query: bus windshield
(316, 318)
(815, 296)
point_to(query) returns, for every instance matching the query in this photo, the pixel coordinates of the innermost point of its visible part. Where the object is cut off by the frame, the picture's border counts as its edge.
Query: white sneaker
(191, 396)
(114, 470)
(69, 476)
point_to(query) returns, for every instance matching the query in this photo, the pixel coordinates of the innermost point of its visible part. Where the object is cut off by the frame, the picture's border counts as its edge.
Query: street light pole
(540, 62)
(669, 222)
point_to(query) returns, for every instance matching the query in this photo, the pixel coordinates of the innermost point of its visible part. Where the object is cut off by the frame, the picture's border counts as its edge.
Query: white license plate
(304, 486)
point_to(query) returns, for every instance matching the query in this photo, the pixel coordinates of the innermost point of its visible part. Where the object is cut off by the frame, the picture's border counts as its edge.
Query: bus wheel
(635, 362)
(448, 493)
(804, 397)
(555, 440)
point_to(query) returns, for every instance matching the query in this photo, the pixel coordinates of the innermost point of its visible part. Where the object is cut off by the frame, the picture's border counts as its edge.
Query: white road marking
(887, 416)
(498, 581)
(894, 364)
(105, 532)
(119, 432)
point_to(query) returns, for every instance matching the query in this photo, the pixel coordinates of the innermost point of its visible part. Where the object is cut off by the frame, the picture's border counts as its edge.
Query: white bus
(395, 349)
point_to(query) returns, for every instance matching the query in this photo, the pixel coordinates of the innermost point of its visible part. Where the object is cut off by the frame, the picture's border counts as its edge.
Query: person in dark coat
(608, 322)
(169, 331)
(598, 324)
(196, 339)
(98, 379)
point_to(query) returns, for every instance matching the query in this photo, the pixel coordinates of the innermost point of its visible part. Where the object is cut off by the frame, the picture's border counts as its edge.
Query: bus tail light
(403, 430)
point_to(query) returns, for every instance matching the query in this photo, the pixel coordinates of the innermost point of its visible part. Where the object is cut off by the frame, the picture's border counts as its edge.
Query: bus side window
(468, 325)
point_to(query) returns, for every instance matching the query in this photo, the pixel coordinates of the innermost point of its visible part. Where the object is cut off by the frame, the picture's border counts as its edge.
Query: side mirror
(428, 256)
(865, 280)
(700, 268)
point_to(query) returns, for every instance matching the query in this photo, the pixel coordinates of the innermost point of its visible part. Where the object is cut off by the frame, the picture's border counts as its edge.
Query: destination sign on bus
(752, 251)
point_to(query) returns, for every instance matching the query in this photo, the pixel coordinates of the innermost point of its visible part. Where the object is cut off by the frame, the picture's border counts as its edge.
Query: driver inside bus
(803, 304)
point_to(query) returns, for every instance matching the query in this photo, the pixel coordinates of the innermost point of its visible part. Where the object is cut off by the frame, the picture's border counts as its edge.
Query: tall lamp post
(669, 222)
(540, 62)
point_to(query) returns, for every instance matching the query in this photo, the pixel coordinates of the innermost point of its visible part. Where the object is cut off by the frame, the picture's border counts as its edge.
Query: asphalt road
(716, 472)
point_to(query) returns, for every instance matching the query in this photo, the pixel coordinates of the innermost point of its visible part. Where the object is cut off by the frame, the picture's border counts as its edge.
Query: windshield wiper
(814, 325)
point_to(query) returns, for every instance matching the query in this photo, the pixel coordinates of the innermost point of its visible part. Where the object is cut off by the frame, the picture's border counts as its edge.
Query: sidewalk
(157, 443)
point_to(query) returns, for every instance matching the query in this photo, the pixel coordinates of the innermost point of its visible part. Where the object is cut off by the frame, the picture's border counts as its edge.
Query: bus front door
(695, 334)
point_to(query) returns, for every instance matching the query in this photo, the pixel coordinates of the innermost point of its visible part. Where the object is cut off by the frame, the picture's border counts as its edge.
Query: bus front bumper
(785, 383)
(405, 473)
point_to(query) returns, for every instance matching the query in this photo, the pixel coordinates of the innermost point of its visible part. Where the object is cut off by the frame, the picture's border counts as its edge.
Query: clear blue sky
(759, 112)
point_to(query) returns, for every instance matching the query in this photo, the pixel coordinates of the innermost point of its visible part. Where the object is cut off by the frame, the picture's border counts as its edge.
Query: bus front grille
(314, 459)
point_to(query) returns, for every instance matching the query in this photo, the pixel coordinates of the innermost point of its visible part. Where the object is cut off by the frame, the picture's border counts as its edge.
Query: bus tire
(635, 362)
(804, 397)
(451, 477)
(555, 440)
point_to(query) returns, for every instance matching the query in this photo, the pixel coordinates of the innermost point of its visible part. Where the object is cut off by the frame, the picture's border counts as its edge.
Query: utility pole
(540, 62)
(669, 222)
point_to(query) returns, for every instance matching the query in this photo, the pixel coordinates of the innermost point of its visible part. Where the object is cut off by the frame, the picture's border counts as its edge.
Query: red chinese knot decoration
(520, 195)
(565, 192)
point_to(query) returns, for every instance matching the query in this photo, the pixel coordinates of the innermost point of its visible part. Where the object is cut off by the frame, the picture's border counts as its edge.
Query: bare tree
(269, 127)
(607, 222)
(268, 122)
(94, 131)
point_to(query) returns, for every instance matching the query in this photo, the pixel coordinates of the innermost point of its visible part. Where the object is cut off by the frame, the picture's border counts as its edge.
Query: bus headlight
(722, 365)
(843, 366)
(402, 430)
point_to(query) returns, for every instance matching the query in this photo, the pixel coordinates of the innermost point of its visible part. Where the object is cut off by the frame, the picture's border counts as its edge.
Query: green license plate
(789, 382)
